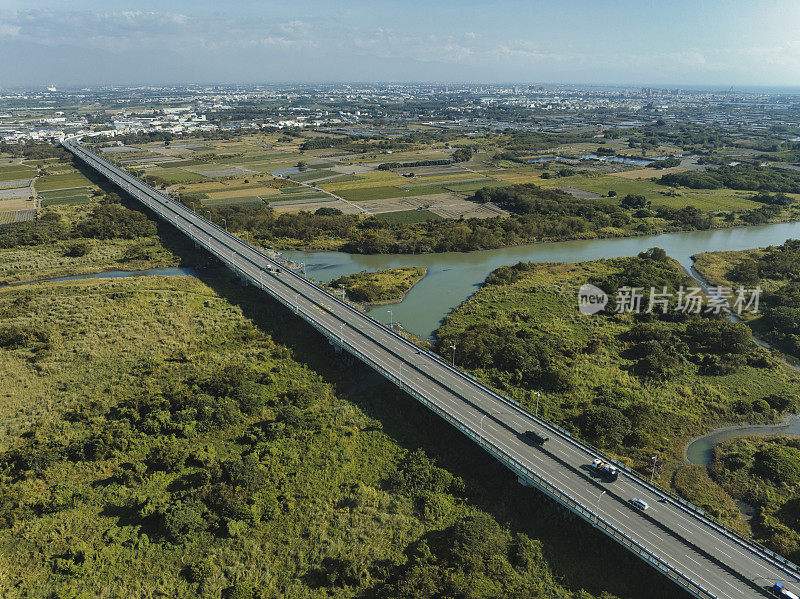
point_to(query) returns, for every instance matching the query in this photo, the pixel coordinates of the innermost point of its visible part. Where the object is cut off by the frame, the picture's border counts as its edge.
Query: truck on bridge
(605, 469)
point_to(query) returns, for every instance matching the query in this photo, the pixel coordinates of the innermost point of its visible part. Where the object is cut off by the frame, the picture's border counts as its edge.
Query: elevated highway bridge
(680, 541)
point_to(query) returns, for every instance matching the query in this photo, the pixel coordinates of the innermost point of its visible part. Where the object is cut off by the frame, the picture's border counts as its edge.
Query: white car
(640, 504)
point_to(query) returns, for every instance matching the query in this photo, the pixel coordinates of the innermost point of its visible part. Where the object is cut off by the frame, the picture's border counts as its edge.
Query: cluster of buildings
(52, 114)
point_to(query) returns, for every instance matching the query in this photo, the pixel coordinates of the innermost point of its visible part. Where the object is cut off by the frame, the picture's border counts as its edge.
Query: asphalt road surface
(719, 564)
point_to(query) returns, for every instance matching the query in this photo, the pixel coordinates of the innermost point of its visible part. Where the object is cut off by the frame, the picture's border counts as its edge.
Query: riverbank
(773, 269)
(112, 274)
(194, 438)
(332, 244)
(618, 382)
(700, 448)
(379, 288)
(454, 276)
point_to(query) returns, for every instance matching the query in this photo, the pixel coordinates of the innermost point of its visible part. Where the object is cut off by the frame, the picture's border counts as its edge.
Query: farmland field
(374, 193)
(171, 176)
(250, 200)
(407, 217)
(63, 181)
(469, 187)
(79, 196)
(14, 172)
(238, 191)
(704, 199)
(312, 174)
(310, 195)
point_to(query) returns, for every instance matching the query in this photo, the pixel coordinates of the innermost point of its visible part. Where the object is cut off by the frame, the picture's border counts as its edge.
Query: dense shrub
(109, 221)
(779, 463)
(741, 176)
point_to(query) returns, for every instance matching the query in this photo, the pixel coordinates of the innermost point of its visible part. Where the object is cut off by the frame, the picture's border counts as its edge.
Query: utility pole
(653, 473)
(225, 222)
(482, 417)
(597, 507)
(537, 403)
(453, 347)
(391, 323)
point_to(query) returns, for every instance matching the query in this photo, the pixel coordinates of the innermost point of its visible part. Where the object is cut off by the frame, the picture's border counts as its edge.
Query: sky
(622, 42)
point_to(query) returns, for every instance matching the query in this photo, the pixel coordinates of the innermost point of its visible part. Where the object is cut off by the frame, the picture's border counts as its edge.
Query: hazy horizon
(707, 45)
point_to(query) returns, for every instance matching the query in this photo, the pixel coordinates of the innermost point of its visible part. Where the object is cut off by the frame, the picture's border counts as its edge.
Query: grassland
(67, 180)
(159, 441)
(774, 271)
(634, 386)
(59, 258)
(708, 200)
(765, 473)
(380, 287)
(14, 172)
(715, 267)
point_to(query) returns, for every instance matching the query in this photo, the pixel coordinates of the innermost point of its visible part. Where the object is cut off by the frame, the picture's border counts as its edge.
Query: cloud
(9, 30)
(340, 44)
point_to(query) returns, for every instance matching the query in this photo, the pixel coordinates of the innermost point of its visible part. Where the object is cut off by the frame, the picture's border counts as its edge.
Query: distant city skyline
(693, 44)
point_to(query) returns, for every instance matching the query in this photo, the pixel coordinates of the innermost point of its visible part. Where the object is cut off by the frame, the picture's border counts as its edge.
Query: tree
(634, 201)
(612, 194)
(302, 165)
(462, 154)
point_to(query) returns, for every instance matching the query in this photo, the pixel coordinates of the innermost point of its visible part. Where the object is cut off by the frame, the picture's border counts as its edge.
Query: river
(171, 271)
(701, 450)
(454, 276)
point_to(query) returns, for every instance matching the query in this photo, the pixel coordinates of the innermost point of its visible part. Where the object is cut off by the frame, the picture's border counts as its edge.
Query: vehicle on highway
(779, 590)
(606, 470)
(640, 504)
(273, 270)
(536, 438)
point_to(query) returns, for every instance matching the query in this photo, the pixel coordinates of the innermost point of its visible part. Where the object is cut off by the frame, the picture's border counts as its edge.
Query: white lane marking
(460, 384)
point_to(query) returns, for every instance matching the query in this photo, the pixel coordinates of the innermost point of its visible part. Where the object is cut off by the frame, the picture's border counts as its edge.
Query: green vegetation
(159, 441)
(365, 194)
(658, 195)
(77, 195)
(776, 269)
(172, 176)
(542, 215)
(634, 385)
(313, 174)
(765, 473)
(382, 286)
(46, 248)
(16, 172)
(62, 181)
(387, 166)
(741, 176)
(235, 201)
